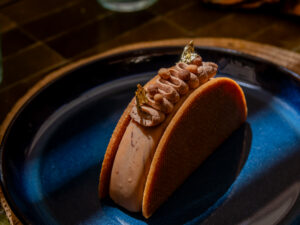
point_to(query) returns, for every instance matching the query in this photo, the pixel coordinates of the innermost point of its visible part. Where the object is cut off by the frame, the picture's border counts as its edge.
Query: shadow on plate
(76, 202)
(203, 190)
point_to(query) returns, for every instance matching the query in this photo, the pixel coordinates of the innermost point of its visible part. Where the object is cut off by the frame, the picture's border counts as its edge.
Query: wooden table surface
(40, 36)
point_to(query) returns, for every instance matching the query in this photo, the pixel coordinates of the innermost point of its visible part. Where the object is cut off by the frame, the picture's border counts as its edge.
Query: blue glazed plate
(53, 149)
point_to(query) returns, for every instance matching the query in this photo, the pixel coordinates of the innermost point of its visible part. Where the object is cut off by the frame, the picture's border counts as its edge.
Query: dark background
(40, 36)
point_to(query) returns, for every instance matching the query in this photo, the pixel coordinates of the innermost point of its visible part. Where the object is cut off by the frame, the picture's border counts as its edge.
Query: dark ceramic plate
(53, 149)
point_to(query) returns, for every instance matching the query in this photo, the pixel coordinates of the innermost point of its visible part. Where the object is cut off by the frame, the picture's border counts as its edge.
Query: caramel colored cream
(170, 85)
(137, 147)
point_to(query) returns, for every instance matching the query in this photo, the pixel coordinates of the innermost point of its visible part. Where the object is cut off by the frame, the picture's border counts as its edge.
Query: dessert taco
(171, 126)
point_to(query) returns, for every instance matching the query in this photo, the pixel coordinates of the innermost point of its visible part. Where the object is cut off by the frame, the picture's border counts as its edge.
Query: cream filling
(137, 147)
(131, 166)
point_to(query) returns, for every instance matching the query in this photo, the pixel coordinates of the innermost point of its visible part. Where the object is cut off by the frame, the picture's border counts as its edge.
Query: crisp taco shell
(202, 120)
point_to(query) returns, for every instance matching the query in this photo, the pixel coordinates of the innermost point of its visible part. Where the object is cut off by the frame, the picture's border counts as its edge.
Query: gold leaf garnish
(140, 96)
(188, 54)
